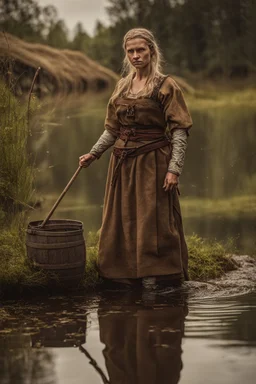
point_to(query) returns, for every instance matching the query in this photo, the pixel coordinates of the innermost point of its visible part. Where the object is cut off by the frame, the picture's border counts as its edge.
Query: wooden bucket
(58, 248)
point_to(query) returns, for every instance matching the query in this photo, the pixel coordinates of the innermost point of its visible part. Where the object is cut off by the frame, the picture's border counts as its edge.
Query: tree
(213, 36)
(21, 18)
(58, 35)
(27, 20)
(81, 40)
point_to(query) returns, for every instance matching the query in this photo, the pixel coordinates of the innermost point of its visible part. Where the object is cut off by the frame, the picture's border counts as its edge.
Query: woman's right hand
(86, 160)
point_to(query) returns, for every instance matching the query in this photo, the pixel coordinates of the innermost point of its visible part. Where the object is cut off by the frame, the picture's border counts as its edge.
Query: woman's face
(138, 52)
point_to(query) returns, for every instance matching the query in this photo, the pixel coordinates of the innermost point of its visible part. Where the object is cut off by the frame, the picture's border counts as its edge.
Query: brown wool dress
(142, 233)
(142, 345)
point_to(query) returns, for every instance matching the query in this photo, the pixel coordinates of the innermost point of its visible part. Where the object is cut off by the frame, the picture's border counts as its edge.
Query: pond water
(129, 338)
(139, 337)
(218, 184)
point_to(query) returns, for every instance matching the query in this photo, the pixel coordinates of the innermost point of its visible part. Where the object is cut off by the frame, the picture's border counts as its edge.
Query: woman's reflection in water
(142, 338)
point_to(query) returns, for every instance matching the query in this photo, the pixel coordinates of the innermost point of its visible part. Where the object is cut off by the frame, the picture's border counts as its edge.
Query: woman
(147, 121)
(142, 344)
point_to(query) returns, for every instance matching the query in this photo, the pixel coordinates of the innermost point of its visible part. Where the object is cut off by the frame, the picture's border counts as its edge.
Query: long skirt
(142, 233)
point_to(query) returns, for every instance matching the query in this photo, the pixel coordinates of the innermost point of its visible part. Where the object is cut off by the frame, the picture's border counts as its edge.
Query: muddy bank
(239, 281)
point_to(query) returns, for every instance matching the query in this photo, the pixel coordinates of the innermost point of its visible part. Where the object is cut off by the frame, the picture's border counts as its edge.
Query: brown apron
(142, 233)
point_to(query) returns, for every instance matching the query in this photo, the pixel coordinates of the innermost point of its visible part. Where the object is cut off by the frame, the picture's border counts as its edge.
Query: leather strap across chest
(158, 84)
(135, 132)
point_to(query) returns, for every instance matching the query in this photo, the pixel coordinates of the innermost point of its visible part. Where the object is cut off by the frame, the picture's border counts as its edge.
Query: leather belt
(136, 133)
(123, 152)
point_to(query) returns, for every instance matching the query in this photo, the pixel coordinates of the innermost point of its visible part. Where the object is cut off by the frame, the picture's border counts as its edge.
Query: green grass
(207, 260)
(16, 272)
(215, 98)
(91, 278)
(232, 207)
(16, 192)
(16, 168)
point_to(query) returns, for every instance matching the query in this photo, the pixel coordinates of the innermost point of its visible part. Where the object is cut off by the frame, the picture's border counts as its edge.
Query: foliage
(214, 37)
(27, 20)
(58, 35)
(16, 172)
(16, 188)
(197, 35)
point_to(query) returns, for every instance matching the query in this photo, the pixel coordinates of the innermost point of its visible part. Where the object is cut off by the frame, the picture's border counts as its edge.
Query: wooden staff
(31, 90)
(61, 196)
(93, 362)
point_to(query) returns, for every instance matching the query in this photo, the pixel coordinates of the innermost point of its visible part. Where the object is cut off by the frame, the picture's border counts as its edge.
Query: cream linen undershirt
(178, 138)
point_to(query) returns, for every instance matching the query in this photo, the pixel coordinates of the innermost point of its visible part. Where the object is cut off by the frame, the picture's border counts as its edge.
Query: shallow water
(129, 337)
(218, 178)
(140, 337)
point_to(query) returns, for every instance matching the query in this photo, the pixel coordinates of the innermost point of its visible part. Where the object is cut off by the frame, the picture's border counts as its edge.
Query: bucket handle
(61, 196)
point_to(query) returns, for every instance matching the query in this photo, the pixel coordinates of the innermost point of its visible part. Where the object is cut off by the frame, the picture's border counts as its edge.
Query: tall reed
(16, 183)
(16, 170)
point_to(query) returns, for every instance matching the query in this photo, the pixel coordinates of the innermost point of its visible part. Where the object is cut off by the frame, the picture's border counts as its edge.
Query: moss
(209, 259)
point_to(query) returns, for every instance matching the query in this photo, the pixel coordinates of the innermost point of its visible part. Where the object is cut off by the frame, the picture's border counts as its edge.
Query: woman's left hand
(171, 181)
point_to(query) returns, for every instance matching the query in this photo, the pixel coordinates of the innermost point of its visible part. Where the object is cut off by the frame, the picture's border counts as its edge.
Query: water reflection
(21, 365)
(220, 164)
(142, 340)
(128, 338)
(28, 334)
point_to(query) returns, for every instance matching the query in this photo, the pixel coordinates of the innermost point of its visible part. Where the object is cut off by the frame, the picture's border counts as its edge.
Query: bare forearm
(105, 141)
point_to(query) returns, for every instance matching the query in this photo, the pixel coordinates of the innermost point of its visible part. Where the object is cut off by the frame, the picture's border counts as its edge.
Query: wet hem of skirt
(174, 276)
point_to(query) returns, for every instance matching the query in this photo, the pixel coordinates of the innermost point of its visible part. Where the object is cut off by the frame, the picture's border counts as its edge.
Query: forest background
(201, 40)
(211, 37)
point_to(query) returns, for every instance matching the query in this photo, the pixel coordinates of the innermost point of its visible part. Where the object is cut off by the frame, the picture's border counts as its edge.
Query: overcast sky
(73, 11)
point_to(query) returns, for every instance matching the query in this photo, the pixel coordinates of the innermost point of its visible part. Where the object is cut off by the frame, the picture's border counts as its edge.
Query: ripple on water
(223, 318)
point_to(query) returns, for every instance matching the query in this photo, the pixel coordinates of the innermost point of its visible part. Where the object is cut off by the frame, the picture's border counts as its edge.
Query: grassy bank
(232, 207)
(16, 190)
(16, 170)
(221, 92)
(207, 259)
